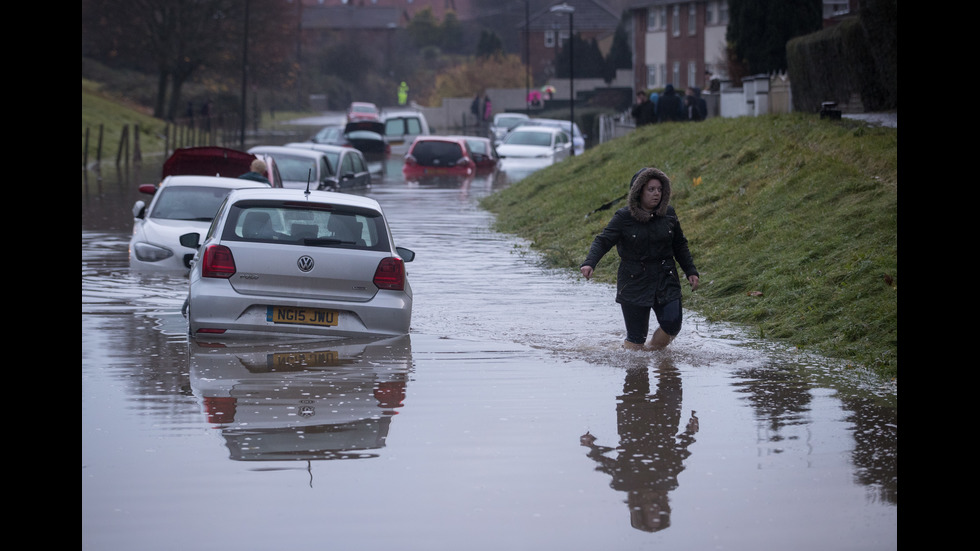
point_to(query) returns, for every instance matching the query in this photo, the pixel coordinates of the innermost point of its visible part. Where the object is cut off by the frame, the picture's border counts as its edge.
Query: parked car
(180, 204)
(544, 143)
(364, 135)
(292, 262)
(361, 110)
(300, 168)
(402, 127)
(503, 123)
(330, 134)
(577, 137)
(217, 161)
(483, 152)
(441, 156)
(348, 166)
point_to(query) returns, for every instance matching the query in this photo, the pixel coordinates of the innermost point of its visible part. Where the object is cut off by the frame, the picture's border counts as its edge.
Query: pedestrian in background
(644, 112)
(670, 107)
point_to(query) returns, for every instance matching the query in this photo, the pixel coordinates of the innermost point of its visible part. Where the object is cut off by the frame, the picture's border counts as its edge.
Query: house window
(675, 21)
(692, 19)
(692, 73)
(652, 22)
(676, 72)
(723, 13)
(549, 39)
(651, 76)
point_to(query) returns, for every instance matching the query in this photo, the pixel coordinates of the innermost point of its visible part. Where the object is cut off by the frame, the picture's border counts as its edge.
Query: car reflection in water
(301, 401)
(652, 448)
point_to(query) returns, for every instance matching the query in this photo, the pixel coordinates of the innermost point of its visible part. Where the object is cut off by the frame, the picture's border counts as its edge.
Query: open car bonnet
(208, 161)
(370, 126)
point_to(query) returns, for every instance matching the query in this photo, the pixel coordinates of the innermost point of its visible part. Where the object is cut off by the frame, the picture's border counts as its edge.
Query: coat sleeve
(606, 240)
(682, 253)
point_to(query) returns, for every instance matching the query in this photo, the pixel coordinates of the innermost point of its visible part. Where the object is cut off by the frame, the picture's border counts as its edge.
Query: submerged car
(180, 204)
(543, 143)
(295, 262)
(577, 137)
(362, 110)
(440, 156)
(402, 127)
(218, 161)
(365, 136)
(348, 166)
(300, 168)
(503, 123)
(483, 152)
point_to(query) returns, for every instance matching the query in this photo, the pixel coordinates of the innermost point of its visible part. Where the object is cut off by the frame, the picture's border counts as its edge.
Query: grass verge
(792, 221)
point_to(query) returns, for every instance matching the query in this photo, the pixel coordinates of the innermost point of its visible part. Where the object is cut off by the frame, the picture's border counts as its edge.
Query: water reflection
(652, 448)
(314, 400)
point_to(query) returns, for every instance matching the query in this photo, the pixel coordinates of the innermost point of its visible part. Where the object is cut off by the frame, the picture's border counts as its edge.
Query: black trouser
(637, 318)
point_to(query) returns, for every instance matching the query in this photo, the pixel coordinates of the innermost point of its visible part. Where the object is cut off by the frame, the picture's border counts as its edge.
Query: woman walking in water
(648, 237)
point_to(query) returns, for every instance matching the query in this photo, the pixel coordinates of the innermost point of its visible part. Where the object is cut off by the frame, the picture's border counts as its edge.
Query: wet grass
(792, 221)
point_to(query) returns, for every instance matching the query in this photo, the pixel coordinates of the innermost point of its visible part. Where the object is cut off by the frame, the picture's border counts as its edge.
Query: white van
(402, 127)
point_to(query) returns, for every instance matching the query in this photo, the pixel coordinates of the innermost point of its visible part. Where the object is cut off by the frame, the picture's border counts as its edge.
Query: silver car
(292, 262)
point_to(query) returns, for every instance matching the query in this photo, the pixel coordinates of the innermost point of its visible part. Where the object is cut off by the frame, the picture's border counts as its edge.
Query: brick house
(678, 43)
(548, 31)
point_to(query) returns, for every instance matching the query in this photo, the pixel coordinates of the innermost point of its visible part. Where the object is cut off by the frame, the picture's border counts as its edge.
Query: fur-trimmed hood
(640, 180)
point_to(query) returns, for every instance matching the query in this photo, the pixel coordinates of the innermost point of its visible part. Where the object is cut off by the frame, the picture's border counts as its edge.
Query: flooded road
(509, 419)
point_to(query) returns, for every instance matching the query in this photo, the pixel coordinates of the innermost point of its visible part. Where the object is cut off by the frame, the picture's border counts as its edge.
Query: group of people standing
(669, 106)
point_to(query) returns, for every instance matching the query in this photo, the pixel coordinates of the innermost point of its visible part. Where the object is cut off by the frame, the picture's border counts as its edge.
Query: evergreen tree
(758, 30)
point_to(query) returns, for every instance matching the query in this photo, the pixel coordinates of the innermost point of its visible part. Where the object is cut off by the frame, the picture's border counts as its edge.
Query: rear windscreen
(323, 227)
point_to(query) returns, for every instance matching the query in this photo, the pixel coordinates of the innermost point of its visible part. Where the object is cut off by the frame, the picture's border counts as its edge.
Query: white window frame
(692, 76)
(549, 39)
(675, 21)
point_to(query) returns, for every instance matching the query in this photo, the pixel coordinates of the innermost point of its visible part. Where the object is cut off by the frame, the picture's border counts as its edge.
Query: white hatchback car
(181, 204)
(292, 262)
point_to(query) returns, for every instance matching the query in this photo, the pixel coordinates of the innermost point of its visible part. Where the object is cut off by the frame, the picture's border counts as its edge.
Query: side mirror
(406, 254)
(191, 240)
(139, 209)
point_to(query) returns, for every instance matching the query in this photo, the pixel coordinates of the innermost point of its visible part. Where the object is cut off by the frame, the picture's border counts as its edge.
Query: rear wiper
(313, 242)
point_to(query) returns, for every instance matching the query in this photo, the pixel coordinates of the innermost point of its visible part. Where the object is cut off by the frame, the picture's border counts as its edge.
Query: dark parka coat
(648, 245)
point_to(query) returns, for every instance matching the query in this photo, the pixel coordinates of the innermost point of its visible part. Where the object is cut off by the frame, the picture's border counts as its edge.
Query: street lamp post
(570, 10)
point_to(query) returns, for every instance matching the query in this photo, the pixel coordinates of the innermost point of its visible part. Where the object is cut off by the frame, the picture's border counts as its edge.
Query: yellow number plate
(291, 361)
(301, 316)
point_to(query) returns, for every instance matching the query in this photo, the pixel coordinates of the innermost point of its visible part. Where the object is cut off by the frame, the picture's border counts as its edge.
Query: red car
(217, 161)
(483, 153)
(438, 156)
(360, 110)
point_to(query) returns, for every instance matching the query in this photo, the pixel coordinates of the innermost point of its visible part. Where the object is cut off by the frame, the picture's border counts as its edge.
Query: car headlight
(146, 252)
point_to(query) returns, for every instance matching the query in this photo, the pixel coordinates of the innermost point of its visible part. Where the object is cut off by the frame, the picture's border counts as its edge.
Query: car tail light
(220, 410)
(390, 274)
(218, 262)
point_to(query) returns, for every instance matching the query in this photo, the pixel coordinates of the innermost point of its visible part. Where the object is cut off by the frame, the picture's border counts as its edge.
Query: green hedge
(857, 56)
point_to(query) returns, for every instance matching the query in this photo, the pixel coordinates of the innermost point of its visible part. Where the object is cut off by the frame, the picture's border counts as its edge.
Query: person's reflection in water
(651, 451)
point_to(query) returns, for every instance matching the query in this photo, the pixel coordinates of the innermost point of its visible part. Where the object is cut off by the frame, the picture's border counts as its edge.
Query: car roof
(538, 128)
(212, 181)
(331, 197)
(321, 147)
(312, 153)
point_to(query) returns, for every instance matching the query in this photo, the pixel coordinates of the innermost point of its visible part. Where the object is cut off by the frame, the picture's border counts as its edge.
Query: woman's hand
(586, 271)
(694, 281)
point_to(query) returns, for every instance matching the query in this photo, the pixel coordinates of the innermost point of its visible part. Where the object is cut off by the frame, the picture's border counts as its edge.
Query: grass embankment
(792, 221)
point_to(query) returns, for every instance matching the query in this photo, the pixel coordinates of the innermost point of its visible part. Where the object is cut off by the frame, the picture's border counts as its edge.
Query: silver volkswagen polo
(296, 262)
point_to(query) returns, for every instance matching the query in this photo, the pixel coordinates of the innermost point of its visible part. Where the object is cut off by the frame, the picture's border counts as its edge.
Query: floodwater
(510, 418)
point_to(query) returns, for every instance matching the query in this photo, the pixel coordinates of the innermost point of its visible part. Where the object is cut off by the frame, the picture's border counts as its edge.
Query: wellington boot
(632, 345)
(658, 341)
